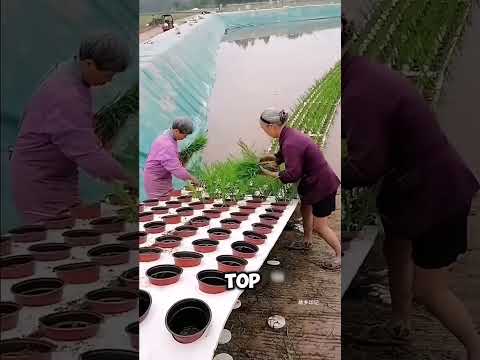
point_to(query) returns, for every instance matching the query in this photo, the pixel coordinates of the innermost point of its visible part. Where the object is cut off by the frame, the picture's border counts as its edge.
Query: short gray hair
(108, 51)
(274, 116)
(184, 125)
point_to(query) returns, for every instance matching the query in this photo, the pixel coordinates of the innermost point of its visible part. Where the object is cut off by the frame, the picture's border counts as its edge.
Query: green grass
(196, 146)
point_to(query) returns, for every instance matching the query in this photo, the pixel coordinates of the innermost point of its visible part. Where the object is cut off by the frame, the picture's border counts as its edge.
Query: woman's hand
(273, 174)
(267, 158)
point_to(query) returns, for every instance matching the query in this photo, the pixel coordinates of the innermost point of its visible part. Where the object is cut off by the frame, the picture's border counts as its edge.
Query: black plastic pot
(78, 273)
(29, 233)
(9, 315)
(205, 245)
(5, 245)
(50, 251)
(244, 249)
(188, 319)
(110, 254)
(187, 258)
(145, 301)
(18, 266)
(70, 325)
(199, 221)
(109, 354)
(38, 292)
(229, 263)
(147, 254)
(130, 277)
(109, 224)
(26, 349)
(212, 281)
(132, 331)
(163, 275)
(81, 237)
(133, 239)
(111, 301)
(155, 227)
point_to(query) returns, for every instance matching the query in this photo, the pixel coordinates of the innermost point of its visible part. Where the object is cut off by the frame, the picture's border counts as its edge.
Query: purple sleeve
(74, 135)
(293, 156)
(279, 157)
(171, 162)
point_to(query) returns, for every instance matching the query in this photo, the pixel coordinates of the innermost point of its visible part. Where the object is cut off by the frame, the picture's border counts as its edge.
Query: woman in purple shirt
(305, 164)
(163, 161)
(57, 135)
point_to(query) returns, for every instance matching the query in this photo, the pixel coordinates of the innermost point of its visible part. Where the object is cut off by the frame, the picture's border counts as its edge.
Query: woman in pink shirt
(163, 161)
(57, 135)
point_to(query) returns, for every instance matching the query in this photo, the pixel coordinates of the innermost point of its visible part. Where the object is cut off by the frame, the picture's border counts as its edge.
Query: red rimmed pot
(5, 245)
(254, 203)
(185, 211)
(205, 245)
(185, 231)
(108, 224)
(276, 212)
(132, 331)
(50, 251)
(197, 205)
(38, 292)
(253, 237)
(144, 303)
(212, 214)
(109, 354)
(247, 209)
(172, 219)
(168, 241)
(176, 192)
(163, 275)
(26, 349)
(188, 319)
(262, 228)
(160, 210)
(78, 273)
(28, 233)
(9, 315)
(221, 207)
(199, 221)
(240, 216)
(219, 233)
(145, 216)
(147, 254)
(60, 222)
(110, 254)
(244, 249)
(230, 223)
(16, 267)
(268, 219)
(208, 200)
(184, 198)
(133, 239)
(155, 227)
(111, 300)
(230, 202)
(70, 325)
(173, 204)
(187, 258)
(229, 263)
(150, 202)
(279, 205)
(259, 198)
(81, 237)
(212, 281)
(129, 278)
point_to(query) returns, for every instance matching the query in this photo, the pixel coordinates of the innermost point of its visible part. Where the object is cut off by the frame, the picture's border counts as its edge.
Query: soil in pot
(26, 349)
(259, 198)
(199, 221)
(219, 233)
(28, 233)
(184, 198)
(144, 303)
(160, 210)
(187, 258)
(230, 223)
(148, 254)
(110, 254)
(268, 219)
(229, 263)
(230, 202)
(163, 275)
(81, 237)
(244, 249)
(151, 202)
(247, 209)
(208, 200)
(155, 227)
(172, 219)
(61, 222)
(145, 216)
(78, 273)
(212, 214)
(221, 207)
(185, 211)
(212, 281)
(5, 245)
(242, 216)
(185, 231)
(38, 292)
(109, 354)
(111, 301)
(129, 278)
(9, 315)
(197, 205)
(133, 239)
(205, 245)
(50, 251)
(254, 237)
(173, 204)
(108, 224)
(70, 325)
(262, 228)
(168, 241)
(188, 319)
(18, 266)
(132, 331)
(276, 212)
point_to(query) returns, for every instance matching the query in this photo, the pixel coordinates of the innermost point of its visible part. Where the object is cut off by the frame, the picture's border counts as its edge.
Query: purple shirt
(304, 162)
(163, 161)
(57, 136)
(393, 136)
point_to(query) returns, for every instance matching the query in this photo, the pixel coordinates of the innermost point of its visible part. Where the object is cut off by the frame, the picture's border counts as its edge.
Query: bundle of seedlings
(194, 147)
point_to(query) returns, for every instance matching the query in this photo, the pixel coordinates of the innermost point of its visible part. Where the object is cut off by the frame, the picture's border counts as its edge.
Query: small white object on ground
(223, 356)
(237, 305)
(277, 276)
(273, 262)
(225, 337)
(276, 322)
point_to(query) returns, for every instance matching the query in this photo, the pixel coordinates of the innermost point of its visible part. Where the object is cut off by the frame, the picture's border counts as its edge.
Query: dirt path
(313, 330)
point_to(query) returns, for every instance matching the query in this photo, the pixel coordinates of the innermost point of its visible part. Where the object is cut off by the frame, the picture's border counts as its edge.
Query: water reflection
(245, 43)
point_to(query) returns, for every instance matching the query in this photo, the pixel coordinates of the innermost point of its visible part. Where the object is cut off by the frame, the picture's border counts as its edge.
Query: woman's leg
(320, 225)
(307, 218)
(431, 288)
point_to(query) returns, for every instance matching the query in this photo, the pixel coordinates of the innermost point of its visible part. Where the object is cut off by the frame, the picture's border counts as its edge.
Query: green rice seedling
(194, 147)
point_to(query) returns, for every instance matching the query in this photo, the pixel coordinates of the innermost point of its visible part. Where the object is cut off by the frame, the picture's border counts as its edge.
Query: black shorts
(441, 245)
(325, 207)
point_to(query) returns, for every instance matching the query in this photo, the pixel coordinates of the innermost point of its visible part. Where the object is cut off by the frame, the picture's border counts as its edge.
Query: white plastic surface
(155, 340)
